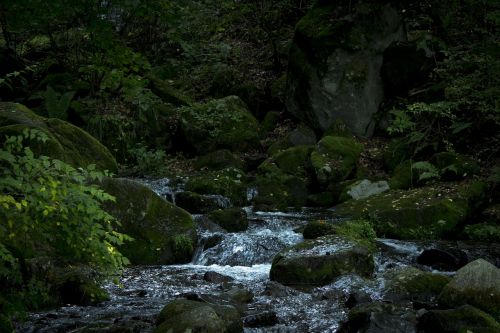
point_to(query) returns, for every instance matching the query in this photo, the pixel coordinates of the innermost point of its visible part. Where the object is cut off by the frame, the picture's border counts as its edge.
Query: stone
(162, 232)
(463, 319)
(66, 142)
(183, 315)
(198, 203)
(262, 319)
(443, 259)
(421, 213)
(231, 219)
(476, 284)
(321, 261)
(335, 62)
(366, 188)
(300, 136)
(216, 277)
(218, 160)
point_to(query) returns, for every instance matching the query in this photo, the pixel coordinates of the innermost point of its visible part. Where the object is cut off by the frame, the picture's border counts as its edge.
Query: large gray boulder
(335, 62)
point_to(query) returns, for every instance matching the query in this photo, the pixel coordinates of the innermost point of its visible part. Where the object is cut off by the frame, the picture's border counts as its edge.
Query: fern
(57, 105)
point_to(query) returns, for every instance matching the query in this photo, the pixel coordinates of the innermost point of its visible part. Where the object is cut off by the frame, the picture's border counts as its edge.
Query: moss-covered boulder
(359, 231)
(162, 232)
(218, 124)
(463, 319)
(66, 142)
(477, 284)
(322, 199)
(363, 189)
(316, 229)
(231, 219)
(379, 317)
(167, 92)
(218, 160)
(199, 203)
(427, 212)
(182, 315)
(321, 261)
(229, 182)
(335, 61)
(278, 190)
(412, 284)
(292, 161)
(334, 159)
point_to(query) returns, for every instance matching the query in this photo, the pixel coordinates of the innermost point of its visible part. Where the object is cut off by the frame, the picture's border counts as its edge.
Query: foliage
(57, 104)
(148, 162)
(49, 209)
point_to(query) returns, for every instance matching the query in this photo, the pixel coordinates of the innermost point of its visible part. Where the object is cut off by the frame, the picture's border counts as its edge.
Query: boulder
(422, 213)
(448, 260)
(463, 319)
(334, 159)
(162, 232)
(300, 136)
(321, 261)
(199, 203)
(335, 62)
(229, 182)
(218, 160)
(182, 315)
(477, 284)
(379, 318)
(231, 219)
(365, 188)
(412, 284)
(66, 142)
(218, 124)
(292, 161)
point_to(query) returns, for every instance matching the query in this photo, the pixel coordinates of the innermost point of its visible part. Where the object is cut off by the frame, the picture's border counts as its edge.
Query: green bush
(50, 210)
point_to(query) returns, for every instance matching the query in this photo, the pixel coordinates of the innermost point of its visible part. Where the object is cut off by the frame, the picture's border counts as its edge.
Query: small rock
(263, 319)
(216, 277)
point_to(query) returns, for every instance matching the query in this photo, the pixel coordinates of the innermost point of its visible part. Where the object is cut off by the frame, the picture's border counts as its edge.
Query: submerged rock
(335, 61)
(66, 142)
(321, 261)
(477, 284)
(162, 232)
(198, 203)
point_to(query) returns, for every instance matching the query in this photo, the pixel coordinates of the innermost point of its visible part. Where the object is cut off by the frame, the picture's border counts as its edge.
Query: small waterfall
(165, 187)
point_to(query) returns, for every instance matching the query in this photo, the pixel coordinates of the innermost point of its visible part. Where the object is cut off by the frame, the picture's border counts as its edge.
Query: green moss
(396, 153)
(229, 182)
(294, 161)
(403, 177)
(323, 199)
(483, 232)
(65, 142)
(223, 123)
(269, 122)
(167, 92)
(231, 219)
(428, 212)
(335, 159)
(151, 221)
(315, 229)
(359, 231)
(463, 319)
(278, 190)
(218, 160)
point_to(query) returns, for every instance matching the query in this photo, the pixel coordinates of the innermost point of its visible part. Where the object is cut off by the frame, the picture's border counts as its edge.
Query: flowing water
(246, 257)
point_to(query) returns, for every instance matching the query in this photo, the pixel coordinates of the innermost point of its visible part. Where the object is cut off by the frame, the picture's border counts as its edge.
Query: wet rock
(216, 277)
(411, 284)
(315, 229)
(321, 261)
(334, 159)
(262, 319)
(184, 315)
(239, 295)
(231, 219)
(442, 259)
(379, 318)
(335, 61)
(477, 284)
(463, 319)
(162, 232)
(275, 289)
(422, 213)
(197, 203)
(229, 183)
(212, 241)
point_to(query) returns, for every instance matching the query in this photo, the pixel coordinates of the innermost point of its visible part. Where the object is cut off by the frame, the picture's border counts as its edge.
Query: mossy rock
(403, 176)
(66, 142)
(477, 284)
(167, 92)
(422, 213)
(229, 182)
(292, 161)
(463, 319)
(197, 203)
(315, 229)
(395, 153)
(218, 160)
(162, 232)
(454, 166)
(182, 315)
(363, 189)
(334, 159)
(75, 285)
(269, 122)
(412, 284)
(278, 190)
(300, 136)
(231, 219)
(321, 261)
(218, 124)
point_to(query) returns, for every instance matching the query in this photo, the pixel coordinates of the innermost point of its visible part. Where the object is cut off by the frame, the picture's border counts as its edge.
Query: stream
(246, 258)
